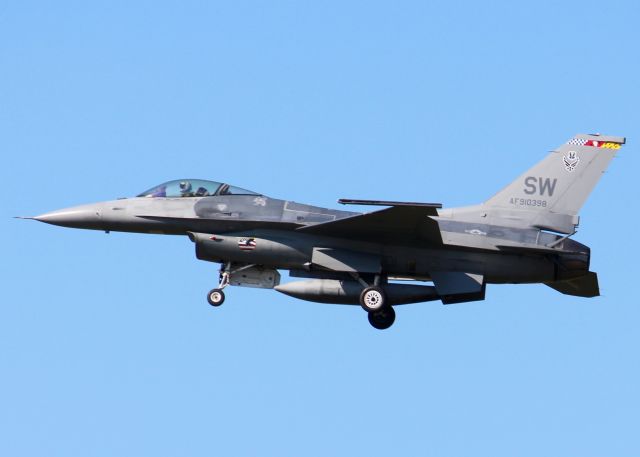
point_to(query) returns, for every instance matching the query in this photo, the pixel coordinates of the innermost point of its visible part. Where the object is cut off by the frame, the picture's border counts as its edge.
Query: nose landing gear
(215, 297)
(249, 275)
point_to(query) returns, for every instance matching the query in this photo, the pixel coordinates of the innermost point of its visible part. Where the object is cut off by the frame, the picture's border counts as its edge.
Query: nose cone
(86, 217)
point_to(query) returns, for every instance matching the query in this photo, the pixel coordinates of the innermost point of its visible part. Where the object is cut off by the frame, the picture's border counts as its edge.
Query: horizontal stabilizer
(405, 223)
(584, 286)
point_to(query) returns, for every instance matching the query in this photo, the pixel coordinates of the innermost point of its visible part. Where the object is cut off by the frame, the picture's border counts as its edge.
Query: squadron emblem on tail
(571, 161)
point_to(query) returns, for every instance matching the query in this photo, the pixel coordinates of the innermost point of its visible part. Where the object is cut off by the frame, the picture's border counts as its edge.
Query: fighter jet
(382, 258)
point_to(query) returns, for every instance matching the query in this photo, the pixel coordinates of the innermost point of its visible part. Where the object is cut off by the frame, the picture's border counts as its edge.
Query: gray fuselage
(469, 246)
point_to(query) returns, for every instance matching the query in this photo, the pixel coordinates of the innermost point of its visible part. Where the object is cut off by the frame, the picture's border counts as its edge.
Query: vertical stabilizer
(551, 193)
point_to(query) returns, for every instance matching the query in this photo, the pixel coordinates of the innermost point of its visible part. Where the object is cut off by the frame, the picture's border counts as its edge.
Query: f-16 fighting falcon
(378, 259)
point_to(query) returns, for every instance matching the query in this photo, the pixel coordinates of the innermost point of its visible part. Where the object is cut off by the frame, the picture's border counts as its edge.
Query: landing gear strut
(215, 297)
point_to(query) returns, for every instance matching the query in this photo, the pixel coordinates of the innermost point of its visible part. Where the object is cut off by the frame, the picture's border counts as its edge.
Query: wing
(405, 223)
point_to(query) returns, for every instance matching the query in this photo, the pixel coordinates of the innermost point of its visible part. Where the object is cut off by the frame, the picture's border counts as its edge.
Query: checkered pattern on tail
(577, 142)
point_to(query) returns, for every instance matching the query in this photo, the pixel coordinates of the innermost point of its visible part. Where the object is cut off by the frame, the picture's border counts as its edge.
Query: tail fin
(550, 194)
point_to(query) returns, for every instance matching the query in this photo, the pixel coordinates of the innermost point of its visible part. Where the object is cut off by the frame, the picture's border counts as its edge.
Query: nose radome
(86, 216)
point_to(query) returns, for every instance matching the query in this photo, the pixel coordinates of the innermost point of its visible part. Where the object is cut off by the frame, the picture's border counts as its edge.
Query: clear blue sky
(107, 346)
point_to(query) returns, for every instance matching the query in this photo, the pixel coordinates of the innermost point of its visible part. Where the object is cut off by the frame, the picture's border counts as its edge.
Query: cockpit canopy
(194, 188)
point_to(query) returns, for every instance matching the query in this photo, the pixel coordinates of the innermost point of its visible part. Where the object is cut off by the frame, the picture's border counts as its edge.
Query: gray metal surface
(520, 235)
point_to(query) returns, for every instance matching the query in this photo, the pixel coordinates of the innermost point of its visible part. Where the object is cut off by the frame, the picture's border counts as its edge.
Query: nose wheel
(215, 297)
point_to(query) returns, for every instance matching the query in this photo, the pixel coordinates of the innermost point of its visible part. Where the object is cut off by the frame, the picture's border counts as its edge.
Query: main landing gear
(382, 319)
(374, 301)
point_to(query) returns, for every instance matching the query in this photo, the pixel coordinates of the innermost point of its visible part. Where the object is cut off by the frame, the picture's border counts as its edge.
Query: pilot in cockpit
(193, 188)
(185, 189)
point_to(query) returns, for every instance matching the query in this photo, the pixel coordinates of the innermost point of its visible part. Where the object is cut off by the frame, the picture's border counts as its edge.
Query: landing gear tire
(215, 297)
(383, 318)
(373, 299)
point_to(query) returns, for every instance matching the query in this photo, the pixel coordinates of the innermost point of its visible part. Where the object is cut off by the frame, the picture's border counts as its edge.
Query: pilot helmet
(185, 186)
